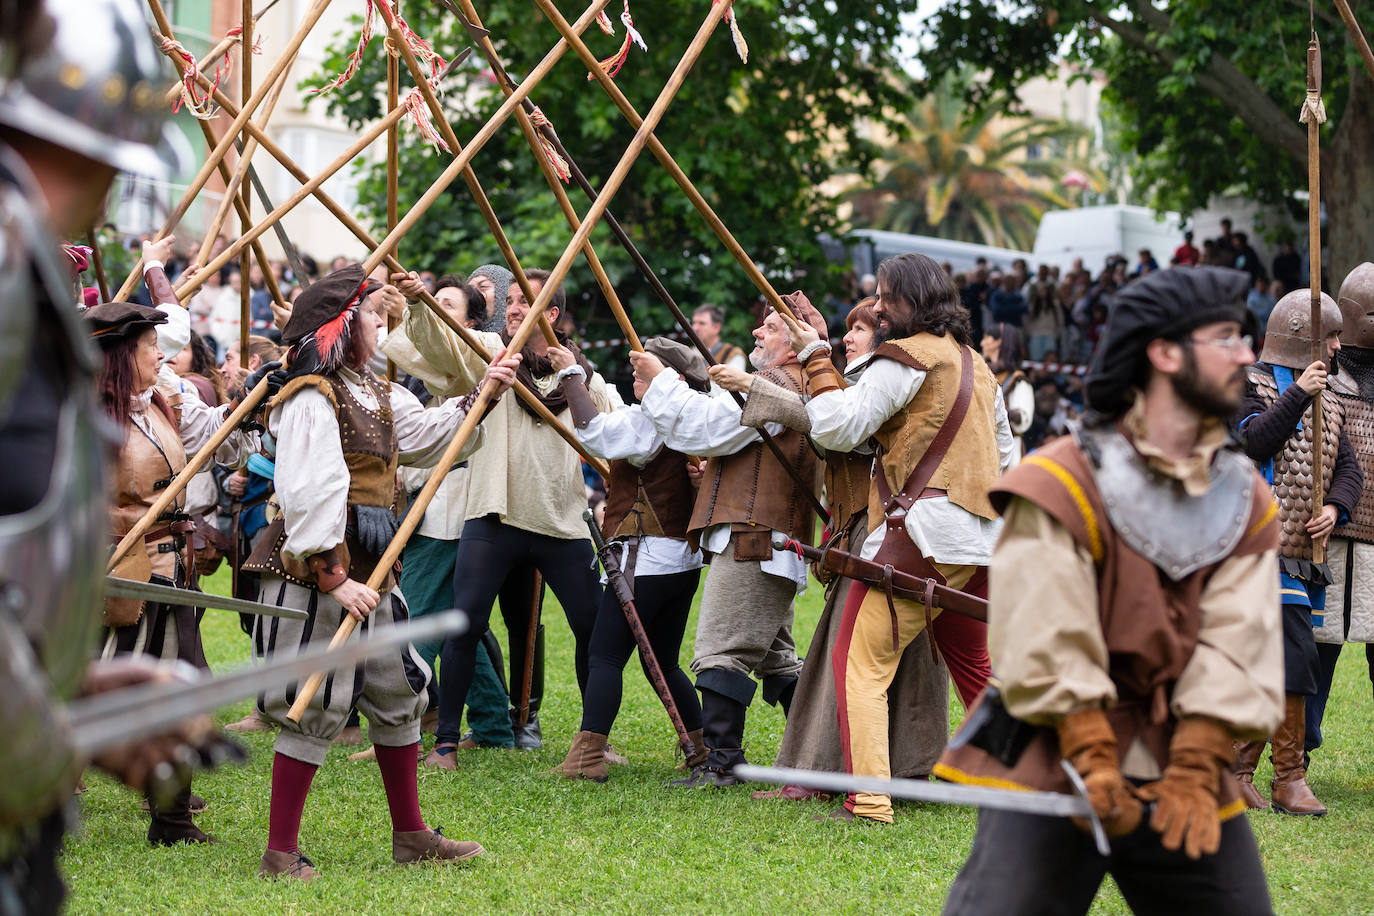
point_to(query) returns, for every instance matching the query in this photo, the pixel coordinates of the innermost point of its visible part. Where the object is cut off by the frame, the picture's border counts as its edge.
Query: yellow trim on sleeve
(950, 774)
(1269, 514)
(1080, 499)
(1236, 807)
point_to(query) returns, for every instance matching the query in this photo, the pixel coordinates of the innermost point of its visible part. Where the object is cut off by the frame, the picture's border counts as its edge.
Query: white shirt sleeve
(627, 433)
(423, 434)
(1008, 451)
(311, 475)
(844, 418)
(175, 333)
(695, 423)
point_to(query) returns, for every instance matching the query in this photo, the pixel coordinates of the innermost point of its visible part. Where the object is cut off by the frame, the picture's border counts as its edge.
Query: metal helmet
(1356, 301)
(1288, 336)
(98, 89)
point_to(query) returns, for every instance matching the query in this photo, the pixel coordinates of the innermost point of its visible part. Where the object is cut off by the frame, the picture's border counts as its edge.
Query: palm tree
(957, 177)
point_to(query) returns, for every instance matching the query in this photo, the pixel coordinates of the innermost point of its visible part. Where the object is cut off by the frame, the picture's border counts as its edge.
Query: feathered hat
(319, 326)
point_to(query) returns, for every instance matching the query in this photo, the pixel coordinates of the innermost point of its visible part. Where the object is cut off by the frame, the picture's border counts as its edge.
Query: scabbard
(904, 584)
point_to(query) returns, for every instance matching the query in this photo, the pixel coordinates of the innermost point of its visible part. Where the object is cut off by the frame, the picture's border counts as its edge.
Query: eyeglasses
(1234, 342)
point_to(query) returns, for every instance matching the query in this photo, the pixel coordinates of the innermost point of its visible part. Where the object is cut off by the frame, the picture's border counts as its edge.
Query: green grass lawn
(631, 845)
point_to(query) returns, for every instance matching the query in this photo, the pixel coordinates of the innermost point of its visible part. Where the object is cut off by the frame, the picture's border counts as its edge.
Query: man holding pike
(936, 413)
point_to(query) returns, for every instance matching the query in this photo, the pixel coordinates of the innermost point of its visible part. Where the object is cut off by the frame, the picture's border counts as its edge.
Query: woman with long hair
(1001, 346)
(1044, 322)
(156, 438)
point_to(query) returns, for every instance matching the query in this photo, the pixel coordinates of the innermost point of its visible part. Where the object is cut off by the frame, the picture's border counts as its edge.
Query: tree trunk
(1348, 185)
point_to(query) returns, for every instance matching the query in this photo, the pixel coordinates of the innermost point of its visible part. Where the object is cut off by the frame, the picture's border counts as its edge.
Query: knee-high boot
(1247, 756)
(1289, 790)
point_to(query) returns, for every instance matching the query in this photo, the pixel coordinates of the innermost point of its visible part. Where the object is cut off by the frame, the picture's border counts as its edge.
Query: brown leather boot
(291, 864)
(1289, 790)
(428, 845)
(586, 758)
(1247, 756)
(699, 752)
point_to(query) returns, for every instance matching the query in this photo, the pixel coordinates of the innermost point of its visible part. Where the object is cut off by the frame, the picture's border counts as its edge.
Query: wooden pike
(212, 141)
(225, 44)
(717, 225)
(246, 112)
(99, 264)
(246, 214)
(1356, 35)
(523, 333)
(393, 146)
(547, 131)
(461, 162)
(187, 288)
(480, 34)
(393, 264)
(469, 176)
(1313, 114)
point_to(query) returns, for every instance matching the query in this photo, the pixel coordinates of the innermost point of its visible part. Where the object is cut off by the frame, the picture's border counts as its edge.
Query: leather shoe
(411, 846)
(704, 777)
(442, 761)
(793, 793)
(291, 864)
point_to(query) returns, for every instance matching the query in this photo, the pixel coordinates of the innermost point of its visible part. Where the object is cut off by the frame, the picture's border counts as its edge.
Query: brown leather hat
(112, 322)
(325, 299)
(681, 358)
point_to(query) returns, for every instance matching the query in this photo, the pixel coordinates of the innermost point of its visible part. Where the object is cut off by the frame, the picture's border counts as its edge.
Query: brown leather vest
(654, 500)
(1359, 429)
(1150, 623)
(972, 464)
(371, 451)
(145, 467)
(847, 479)
(750, 488)
(1293, 465)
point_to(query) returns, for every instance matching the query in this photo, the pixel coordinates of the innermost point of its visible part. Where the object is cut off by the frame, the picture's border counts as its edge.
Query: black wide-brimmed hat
(1163, 304)
(325, 300)
(680, 358)
(112, 322)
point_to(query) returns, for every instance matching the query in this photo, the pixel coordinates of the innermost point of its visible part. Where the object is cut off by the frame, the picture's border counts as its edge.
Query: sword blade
(120, 716)
(166, 594)
(1050, 804)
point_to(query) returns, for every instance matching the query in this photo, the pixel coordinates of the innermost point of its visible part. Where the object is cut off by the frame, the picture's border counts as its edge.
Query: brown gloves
(1088, 743)
(1186, 811)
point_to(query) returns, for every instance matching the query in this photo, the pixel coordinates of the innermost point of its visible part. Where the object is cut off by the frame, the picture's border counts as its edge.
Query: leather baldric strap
(939, 446)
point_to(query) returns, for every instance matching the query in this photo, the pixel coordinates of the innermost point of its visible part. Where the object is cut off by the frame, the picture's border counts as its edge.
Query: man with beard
(1276, 428)
(1134, 619)
(525, 497)
(1350, 612)
(745, 623)
(936, 413)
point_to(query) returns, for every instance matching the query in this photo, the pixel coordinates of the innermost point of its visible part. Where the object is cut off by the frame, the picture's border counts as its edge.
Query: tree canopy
(1208, 92)
(757, 139)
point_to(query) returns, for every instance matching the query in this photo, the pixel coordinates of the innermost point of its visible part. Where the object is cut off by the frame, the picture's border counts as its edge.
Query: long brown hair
(929, 291)
(115, 383)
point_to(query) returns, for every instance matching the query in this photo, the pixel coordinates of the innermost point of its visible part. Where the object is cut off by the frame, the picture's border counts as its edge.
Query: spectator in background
(1226, 246)
(1185, 255)
(1146, 264)
(1260, 302)
(226, 312)
(1209, 257)
(1001, 346)
(1006, 302)
(1247, 259)
(707, 321)
(972, 302)
(429, 280)
(1287, 267)
(1044, 323)
(868, 286)
(338, 263)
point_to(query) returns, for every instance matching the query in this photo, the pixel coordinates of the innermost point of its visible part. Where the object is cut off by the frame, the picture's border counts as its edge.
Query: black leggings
(664, 603)
(487, 551)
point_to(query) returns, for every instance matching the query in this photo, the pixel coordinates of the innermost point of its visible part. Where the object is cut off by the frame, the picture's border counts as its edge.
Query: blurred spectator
(1146, 263)
(1247, 259)
(1186, 255)
(1260, 302)
(1006, 302)
(1287, 267)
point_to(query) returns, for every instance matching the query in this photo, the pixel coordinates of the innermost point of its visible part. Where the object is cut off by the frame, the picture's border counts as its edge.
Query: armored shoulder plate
(1157, 518)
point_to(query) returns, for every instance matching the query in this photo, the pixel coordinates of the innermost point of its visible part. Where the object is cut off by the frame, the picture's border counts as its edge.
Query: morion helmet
(1356, 302)
(1288, 336)
(97, 89)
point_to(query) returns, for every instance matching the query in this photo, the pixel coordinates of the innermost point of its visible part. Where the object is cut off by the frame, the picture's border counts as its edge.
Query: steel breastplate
(1157, 518)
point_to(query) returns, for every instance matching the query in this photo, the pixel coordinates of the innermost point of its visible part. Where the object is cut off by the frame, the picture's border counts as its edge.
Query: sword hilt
(598, 539)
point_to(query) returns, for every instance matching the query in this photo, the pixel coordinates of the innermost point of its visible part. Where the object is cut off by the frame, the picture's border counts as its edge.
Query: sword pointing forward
(113, 718)
(166, 594)
(1051, 804)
